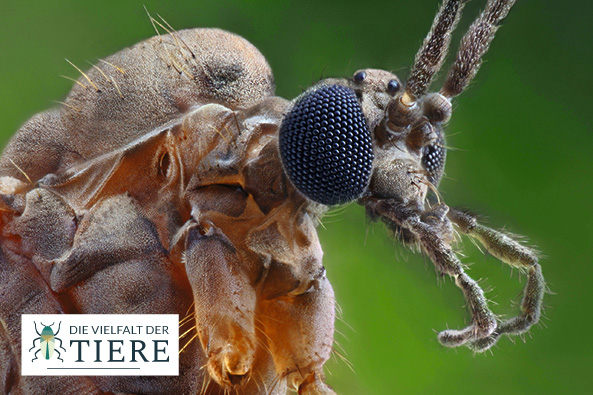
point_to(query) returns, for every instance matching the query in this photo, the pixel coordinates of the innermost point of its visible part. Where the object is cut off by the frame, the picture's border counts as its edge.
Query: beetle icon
(47, 341)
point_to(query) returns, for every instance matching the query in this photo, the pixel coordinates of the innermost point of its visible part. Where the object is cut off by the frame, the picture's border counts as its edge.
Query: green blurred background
(523, 160)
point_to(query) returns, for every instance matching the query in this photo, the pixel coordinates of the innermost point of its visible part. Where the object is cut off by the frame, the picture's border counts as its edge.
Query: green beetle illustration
(47, 341)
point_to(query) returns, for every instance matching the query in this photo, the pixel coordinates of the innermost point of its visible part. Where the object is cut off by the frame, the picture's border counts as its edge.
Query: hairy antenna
(434, 49)
(474, 45)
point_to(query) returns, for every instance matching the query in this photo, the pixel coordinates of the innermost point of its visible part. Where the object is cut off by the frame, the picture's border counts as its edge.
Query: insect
(47, 342)
(172, 180)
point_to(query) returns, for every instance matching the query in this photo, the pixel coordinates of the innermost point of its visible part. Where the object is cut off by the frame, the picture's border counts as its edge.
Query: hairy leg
(433, 232)
(516, 255)
(299, 328)
(224, 303)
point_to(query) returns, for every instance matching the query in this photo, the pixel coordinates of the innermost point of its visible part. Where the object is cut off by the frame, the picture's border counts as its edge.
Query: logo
(100, 345)
(47, 342)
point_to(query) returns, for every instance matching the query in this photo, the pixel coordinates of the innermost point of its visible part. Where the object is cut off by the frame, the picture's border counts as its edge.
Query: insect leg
(432, 231)
(37, 338)
(36, 352)
(224, 303)
(474, 45)
(299, 328)
(60, 344)
(436, 44)
(516, 255)
(59, 354)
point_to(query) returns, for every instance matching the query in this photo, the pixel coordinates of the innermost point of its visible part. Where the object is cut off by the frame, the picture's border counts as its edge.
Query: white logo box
(100, 345)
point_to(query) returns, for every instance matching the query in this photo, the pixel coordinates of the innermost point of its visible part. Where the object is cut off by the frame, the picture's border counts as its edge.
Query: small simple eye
(393, 87)
(360, 76)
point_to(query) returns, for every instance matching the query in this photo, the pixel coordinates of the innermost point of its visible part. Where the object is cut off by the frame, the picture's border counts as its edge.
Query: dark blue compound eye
(433, 159)
(326, 147)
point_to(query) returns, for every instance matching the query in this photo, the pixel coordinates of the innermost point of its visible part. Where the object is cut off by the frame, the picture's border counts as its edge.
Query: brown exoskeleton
(172, 180)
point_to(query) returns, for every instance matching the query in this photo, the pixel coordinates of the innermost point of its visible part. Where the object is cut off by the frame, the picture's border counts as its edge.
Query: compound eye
(359, 76)
(433, 159)
(393, 87)
(325, 145)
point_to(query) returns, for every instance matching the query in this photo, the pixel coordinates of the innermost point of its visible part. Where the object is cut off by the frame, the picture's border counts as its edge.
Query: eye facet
(326, 147)
(433, 159)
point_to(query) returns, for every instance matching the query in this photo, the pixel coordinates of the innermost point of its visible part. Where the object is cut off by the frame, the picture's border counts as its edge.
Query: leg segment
(433, 232)
(37, 338)
(60, 344)
(58, 352)
(224, 304)
(514, 254)
(299, 329)
(474, 45)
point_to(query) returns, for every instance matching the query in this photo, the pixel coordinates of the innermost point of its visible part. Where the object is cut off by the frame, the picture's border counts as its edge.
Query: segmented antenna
(430, 57)
(474, 45)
